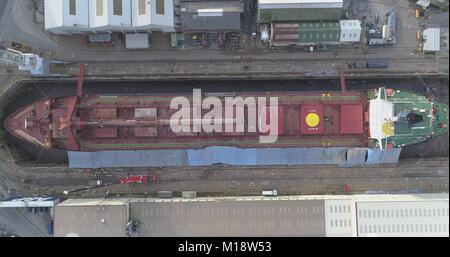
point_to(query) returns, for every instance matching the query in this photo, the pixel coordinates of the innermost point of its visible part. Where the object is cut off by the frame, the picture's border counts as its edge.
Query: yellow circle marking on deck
(312, 119)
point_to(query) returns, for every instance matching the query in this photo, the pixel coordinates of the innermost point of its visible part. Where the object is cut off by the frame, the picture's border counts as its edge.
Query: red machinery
(346, 188)
(134, 179)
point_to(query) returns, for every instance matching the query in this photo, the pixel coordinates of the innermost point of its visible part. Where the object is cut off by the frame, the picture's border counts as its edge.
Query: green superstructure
(312, 32)
(401, 118)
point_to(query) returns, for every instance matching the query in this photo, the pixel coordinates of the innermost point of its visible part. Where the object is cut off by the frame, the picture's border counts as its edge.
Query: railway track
(241, 65)
(286, 190)
(250, 182)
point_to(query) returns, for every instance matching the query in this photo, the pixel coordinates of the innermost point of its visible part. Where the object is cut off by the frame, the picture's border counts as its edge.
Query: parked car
(20, 47)
(272, 192)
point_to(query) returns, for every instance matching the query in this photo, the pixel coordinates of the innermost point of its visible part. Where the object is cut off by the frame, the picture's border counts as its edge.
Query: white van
(272, 192)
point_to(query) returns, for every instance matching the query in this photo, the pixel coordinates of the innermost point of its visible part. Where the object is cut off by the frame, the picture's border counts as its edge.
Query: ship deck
(341, 115)
(405, 134)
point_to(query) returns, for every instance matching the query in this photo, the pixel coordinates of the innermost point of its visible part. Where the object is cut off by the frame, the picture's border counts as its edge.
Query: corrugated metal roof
(299, 1)
(319, 32)
(298, 215)
(292, 14)
(432, 38)
(306, 32)
(137, 41)
(210, 16)
(91, 221)
(230, 218)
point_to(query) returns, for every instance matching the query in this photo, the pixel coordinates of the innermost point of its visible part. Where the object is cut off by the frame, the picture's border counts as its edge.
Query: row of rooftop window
(339, 208)
(239, 211)
(404, 228)
(341, 223)
(256, 224)
(118, 7)
(403, 213)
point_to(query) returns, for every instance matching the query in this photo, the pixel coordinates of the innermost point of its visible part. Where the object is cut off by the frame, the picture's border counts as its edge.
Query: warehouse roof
(91, 217)
(94, 202)
(65, 13)
(308, 4)
(210, 15)
(298, 215)
(230, 218)
(306, 32)
(267, 15)
(66, 16)
(300, 1)
(319, 31)
(432, 37)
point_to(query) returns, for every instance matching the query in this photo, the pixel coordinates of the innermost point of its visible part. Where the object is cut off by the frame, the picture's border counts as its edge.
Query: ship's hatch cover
(105, 113)
(312, 119)
(145, 113)
(352, 119)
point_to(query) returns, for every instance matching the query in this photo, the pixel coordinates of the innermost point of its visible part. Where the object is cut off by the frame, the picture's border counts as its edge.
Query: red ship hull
(98, 122)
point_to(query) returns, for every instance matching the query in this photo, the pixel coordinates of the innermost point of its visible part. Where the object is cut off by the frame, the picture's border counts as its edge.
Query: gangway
(25, 61)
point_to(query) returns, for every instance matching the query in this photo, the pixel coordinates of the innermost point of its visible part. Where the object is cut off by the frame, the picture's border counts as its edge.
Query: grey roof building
(396, 215)
(230, 218)
(216, 15)
(91, 218)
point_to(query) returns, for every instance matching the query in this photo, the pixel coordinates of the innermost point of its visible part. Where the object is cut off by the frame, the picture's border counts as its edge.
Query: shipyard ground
(30, 91)
(423, 167)
(26, 25)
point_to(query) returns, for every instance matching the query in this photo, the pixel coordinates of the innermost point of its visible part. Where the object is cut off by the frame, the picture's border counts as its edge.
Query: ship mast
(342, 76)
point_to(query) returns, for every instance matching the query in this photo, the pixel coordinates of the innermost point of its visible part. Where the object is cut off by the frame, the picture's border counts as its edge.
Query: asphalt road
(439, 17)
(19, 25)
(22, 223)
(2, 7)
(426, 176)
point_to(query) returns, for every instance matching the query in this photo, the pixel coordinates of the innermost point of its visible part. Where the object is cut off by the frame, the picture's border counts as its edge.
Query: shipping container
(95, 182)
(164, 194)
(189, 194)
(377, 64)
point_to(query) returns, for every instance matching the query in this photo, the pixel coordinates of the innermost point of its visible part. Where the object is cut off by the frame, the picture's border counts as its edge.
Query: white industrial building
(153, 15)
(109, 15)
(431, 40)
(65, 16)
(381, 215)
(350, 31)
(79, 16)
(389, 215)
(402, 217)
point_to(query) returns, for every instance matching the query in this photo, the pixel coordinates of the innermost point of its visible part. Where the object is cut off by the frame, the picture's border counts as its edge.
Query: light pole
(437, 62)
(421, 80)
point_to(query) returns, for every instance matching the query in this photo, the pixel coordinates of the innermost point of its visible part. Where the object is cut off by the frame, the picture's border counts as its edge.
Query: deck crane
(66, 122)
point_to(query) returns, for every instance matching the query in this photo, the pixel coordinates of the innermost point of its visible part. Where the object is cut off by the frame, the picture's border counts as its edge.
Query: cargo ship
(382, 118)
